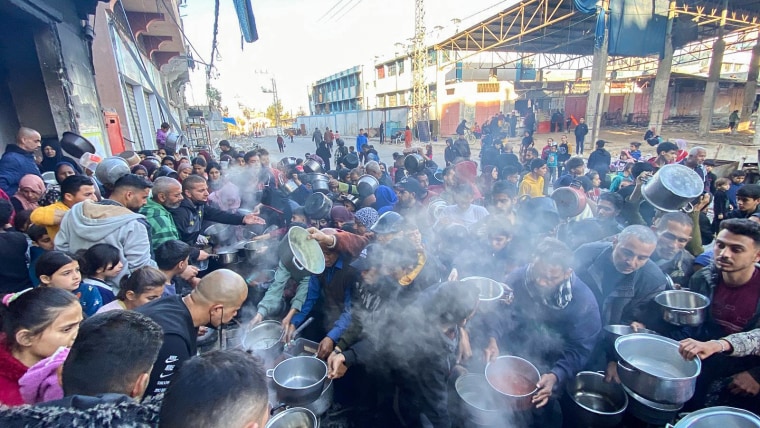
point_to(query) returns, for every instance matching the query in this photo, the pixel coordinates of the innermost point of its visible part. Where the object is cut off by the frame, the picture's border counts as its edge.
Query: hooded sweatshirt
(89, 223)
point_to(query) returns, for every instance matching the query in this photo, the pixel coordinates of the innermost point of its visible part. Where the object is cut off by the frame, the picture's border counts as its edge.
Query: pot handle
(278, 409)
(298, 265)
(689, 207)
(682, 311)
(270, 372)
(625, 367)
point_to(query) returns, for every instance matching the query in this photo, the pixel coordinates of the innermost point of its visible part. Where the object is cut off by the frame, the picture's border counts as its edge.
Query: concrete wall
(349, 123)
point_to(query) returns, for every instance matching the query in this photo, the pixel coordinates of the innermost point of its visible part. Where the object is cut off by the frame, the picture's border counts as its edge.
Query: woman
(214, 173)
(184, 170)
(408, 138)
(140, 170)
(53, 193)
(168, 161)
(199, 166)
(324, 153)
(51, 155)
(227, 198)
(31, 188)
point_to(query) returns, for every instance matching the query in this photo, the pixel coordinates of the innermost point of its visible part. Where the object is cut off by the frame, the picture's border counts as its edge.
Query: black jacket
(189, 217)
(179, 339)
(14, 275)
(581, 130)
(599, 161)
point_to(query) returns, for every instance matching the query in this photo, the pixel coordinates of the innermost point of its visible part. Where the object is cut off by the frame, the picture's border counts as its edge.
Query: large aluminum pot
(650, 411)
(682, 307)
(319, 182)
(300, 255)
(322, 404)
(672, 188)
(219, 233)
(596, 403)
(514, 379)
(613, 331)
(414, 163)
(719, 416)
(254, 251)
(131, 157)
(109, 170)
(299, 380)
(310, 165)
(651, 366)
(227, 257)
(481, 404)
(367, 185)
(76, 145)
(295, 417)
(317, 206)
(264, 339)
(289, 187)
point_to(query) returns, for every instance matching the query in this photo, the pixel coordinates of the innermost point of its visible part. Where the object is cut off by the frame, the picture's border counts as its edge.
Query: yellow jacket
(45, 216)
(531, 187)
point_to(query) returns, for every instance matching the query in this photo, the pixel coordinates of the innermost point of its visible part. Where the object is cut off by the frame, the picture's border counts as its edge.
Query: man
(666, 154)
(220, 389)
(747, 201)
(381, 131)
(226, 148)
(329, 138)
(120, 346)
(316, 137)
(112, 221)
(173, 259)
(503, 201)
(74, 189)
(167, 195)
(623, 279)
(732, 283)
(695, 160)
(410, 194)
(214, 301)
(733, 118)
(463, 211)
(650, 134)
(373, 168)
(599, 161)
(18, 160)
(533, 183)
(580, 136)
(449, 154)
(608, 208)
(575, 168)
(461, 149)
(556, 313)
(361, 140)
(673, 232)
(194, 209)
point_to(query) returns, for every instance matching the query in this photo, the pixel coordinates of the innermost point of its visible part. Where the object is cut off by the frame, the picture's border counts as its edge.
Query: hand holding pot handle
(611, 375)
(545, 386)
(491, 351)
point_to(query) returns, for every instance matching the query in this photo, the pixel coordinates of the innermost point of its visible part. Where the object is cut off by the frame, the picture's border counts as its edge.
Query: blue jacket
(15, 164)
(559, 341)
(328, 300)
(361, 140)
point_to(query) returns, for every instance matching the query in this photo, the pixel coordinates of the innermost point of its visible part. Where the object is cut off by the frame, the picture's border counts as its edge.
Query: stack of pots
(657, 379)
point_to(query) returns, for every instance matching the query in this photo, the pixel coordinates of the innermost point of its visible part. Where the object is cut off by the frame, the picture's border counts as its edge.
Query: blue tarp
(230, 120)
(637, 27)
(585, 6)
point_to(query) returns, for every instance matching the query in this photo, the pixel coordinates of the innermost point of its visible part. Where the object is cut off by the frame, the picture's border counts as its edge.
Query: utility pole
(273, 91)
(420, 100)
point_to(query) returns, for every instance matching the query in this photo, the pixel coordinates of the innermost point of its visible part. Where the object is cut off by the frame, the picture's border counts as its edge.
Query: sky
(301, 41)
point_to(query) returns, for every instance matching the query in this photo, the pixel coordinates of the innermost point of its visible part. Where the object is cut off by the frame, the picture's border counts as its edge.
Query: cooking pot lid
(681, 180)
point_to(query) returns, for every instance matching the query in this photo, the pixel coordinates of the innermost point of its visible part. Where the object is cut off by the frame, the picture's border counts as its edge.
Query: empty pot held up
(672, 188)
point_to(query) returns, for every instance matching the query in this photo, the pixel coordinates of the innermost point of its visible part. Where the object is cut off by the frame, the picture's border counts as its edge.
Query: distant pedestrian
(280, 143)
(732, 120)
(580, 136)
(408, 138)
(382, 132)
(316, 137)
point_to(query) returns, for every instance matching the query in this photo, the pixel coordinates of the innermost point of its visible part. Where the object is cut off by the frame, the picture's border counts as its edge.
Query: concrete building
(142, 68)
(342, 91)
(47, 79)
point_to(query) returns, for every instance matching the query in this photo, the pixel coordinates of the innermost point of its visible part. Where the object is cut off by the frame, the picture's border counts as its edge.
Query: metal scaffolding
(420, 100)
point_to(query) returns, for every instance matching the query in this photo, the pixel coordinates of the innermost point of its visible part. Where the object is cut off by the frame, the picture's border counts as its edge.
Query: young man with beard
(553, 321)
(673, 232)
(732, 283)
(409, 193)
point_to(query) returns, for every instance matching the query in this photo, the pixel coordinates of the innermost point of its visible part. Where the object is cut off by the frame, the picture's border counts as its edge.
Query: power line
(337, 18)
(330, 10)
(342, 8)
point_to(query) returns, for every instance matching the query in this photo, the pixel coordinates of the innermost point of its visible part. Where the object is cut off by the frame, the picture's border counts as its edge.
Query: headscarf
(139, 167)
(62, 163)
(49, 163)
(366, 216)
(184, 165)
(384, 197)
(33, 182)
(227, 198)
(341, 213)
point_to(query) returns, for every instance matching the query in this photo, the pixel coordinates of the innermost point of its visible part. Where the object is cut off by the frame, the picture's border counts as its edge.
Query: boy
(552, 160)
(74, 189)
(635, 150)
(527, 143)
(563, 154)
(737, 181)
(42, 244)
(721, 206)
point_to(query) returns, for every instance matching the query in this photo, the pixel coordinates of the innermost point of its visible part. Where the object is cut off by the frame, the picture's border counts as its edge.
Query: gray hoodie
(108, 222)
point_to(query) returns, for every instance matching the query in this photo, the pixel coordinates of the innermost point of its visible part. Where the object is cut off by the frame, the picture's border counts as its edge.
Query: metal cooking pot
(254, 249)
(351, 160)
(367, 185)
(719, 416)
(317, 206)
(651, 366)
(480, 401)
(173, 140)
(109, 170)
(289, 187)
(219, 233)
(650, 411)
(310, 165)
(299, 380)
(319, 182)
(490, 290)
(681, 307)
(613, 331)
(570, 201)
(672, 188)
(300, 255)
(288, 161)
(264, 339)
(76, 145)
(227, 257)
(322, 404)
(295, 417)
(514, 379)
(414, 163)
(131, 157)
(596, 403)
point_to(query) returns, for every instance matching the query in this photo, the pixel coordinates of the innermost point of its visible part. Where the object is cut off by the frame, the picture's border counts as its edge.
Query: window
(381, 100)
(392, 69)
(380, 72)
(401, 67)
(488, 87)
(393, 100)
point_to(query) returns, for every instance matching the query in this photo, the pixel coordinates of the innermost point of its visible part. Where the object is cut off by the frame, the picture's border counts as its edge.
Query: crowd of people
(104, 296)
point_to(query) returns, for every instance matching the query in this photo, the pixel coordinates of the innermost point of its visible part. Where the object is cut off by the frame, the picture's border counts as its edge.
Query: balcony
(155, 24)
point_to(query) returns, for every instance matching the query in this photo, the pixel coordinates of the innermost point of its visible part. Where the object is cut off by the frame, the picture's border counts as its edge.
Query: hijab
(49, 163)
(384, 197)
(227, 198)
(33, 182)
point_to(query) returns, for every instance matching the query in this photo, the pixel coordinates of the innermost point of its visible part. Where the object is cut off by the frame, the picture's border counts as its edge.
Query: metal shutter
(134, 125)
(148, 109)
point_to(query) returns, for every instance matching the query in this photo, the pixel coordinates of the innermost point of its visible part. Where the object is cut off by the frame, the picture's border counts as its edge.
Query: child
(622, 160)
(552, 160)
(101, 263)
(721, 206)
(35, 322)
(42, 243)
(737, 181)
(623, 178)
(136, 289)
(57, 269)
(635, 152)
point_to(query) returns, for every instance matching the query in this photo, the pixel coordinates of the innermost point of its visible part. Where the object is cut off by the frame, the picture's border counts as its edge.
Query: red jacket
(11, 371)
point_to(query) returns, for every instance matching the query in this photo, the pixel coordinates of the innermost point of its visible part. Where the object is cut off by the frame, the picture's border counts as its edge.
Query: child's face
(737, 180)
(298, 219)
(113, 271)
(633, 147)
(723, 187)
(66, 277)
(45, 242)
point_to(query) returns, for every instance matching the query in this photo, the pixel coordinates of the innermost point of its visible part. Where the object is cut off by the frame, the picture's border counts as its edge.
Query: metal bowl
(650, 411)
(613, 331)
(299, 380)
(596, 402)
(514, 379)
(681, 307)
(480, 401)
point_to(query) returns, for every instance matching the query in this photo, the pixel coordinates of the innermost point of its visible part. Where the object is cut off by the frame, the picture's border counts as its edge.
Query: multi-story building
(342, 91)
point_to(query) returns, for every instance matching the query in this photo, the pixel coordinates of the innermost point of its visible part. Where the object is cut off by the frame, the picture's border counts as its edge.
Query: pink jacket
(40, 383)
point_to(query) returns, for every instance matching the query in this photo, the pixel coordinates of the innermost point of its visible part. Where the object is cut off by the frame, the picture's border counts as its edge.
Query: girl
(35, 323)
(214, 172)
(596, 181)
(199, 166)
(138, 288)
(57, 269)
(100, 263)
(622, 160)
(623, 179)
(184, 170)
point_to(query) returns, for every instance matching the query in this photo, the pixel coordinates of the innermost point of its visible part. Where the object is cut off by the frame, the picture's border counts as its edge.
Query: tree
(214, 96)
(273, 111)
(300, 112)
